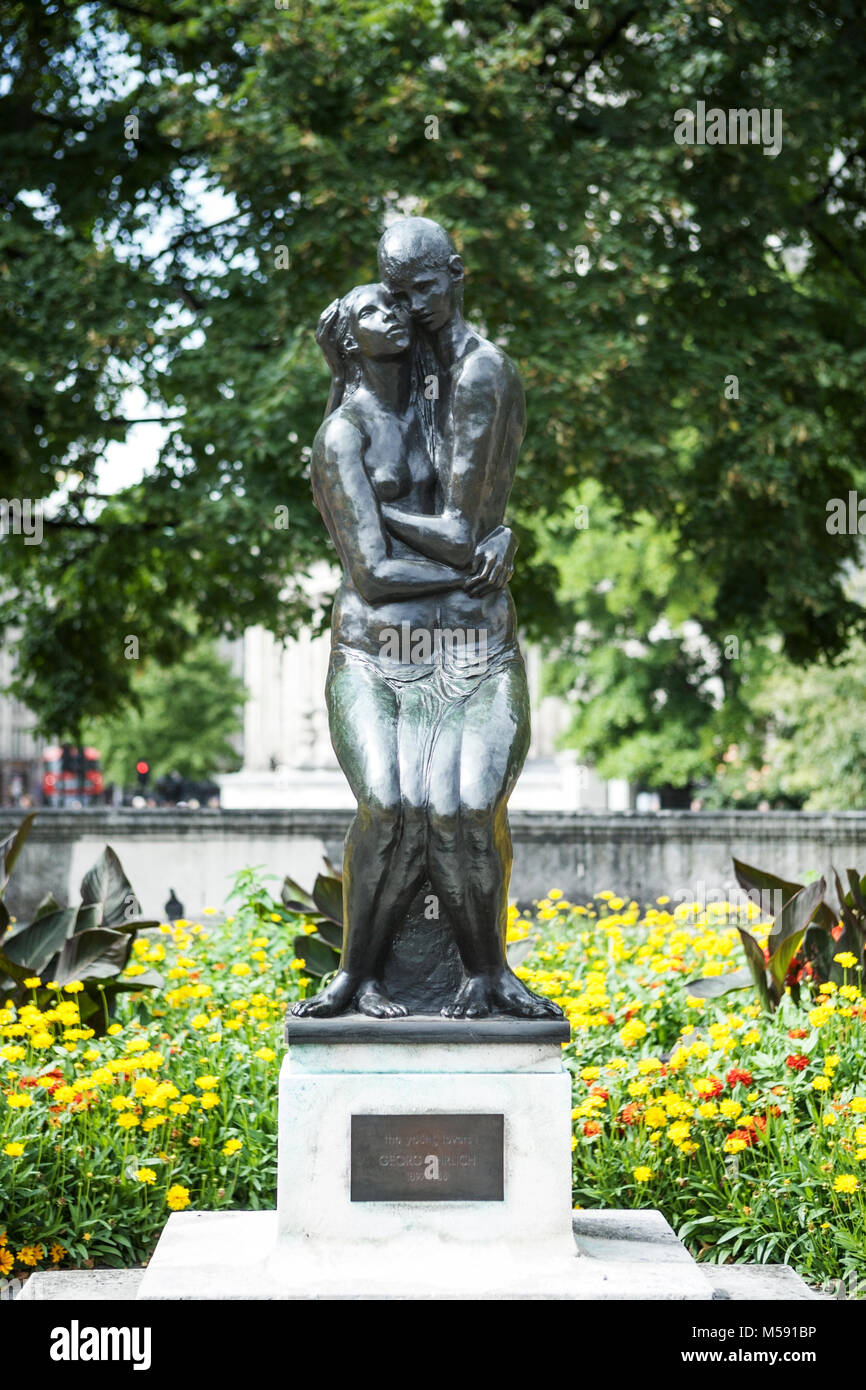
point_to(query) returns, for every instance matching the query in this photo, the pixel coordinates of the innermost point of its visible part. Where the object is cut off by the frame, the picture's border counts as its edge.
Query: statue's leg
(381, 869)
(477, 759)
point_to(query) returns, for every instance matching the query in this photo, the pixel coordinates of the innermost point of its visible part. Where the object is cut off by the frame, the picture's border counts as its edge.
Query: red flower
(737, 1077)
(629, 1113)
(837, 931)
(715, 1088)
(748, 1136)
(599, 1091)
(591, 1128)
(797, 1061)
(798, 1032)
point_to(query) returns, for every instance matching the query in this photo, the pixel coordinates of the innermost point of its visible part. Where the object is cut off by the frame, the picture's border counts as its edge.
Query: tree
(186, 715)
(632, 277)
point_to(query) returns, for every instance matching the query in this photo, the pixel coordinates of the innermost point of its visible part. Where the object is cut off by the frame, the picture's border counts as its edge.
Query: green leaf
(328, 897)
(330, 932)
(38, 943)
(10, 848)
(796, 914)
(319, 957)
(783, 955)
(96, 954)
(767, 890)
(714, 986)
(107, 886)
(757, 966)
(296, 898)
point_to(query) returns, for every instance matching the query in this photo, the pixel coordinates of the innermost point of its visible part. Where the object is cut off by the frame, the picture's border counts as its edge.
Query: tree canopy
(185, 184)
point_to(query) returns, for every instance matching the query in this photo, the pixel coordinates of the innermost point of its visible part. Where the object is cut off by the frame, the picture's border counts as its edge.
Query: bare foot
(336, 999)
(483, 995)
(373, 1000)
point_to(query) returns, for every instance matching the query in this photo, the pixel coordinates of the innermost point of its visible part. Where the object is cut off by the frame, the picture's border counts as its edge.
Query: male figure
(480, 748)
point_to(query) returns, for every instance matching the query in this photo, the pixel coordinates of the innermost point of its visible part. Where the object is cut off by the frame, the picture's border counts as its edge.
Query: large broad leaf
(767, 890)
(319, 957)
(96, 954)
(332, 870)
(296, 898)
(150, 979)
(10, 848)
(767, 990)
(855, 897)
(48, 904)
(796, 914)
(819, 949)
(107, 886)
(329, 931)
(14, 974)
(87, 917)
(783, 955)
(328, 897)
(40, 941)
(714, 986)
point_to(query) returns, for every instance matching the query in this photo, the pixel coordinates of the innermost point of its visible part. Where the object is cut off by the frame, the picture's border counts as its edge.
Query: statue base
(418, 1158)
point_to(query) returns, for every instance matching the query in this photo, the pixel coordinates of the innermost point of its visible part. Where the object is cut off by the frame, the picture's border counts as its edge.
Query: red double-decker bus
(71, 775)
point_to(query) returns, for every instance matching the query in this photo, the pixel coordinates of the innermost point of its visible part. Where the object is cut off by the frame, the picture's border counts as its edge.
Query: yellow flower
(6, 1262)
(829, 1119)
(32, 982)
(845, 1182)
(265, 1054)
(146, 1175)
(731, 1109)
(209, 1101)
(207, 1083)
(19, 1101)
(127, 1121)
(121, 1103)
(678, 1132)
(64, 1094)
(41, 1040)
(57, 1252)
(846, 959)
(13, 1150)
(858, 1105)
(31, 1254)
(151, 1123)
(232, 1146)
(74, 987)
(734, 1146)
(177, 1197)
(642, 1174)
(590, 1073)
(821, 1083)
(114, 1029)
(708, 1110)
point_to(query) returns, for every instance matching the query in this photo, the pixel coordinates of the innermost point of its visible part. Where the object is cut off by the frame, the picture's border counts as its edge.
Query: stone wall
(684, 854)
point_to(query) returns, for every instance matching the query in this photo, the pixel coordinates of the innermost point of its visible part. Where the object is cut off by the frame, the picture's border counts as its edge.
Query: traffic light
(143, 770)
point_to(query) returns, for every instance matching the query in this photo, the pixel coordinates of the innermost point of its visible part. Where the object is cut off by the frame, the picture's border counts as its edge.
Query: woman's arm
(344, 495)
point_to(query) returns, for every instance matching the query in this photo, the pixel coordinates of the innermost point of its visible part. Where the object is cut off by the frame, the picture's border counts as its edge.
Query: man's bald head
(419, 263)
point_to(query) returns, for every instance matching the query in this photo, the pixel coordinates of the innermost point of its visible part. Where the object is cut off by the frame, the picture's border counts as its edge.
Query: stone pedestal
(419, 1158)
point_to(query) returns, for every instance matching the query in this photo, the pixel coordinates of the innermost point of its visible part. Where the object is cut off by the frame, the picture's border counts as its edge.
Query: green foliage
(88, 946)
(307, 125)
(184, 717)
(809, 929)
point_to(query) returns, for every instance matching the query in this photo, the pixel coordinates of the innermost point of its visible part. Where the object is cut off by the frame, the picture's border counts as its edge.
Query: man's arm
(480, 393)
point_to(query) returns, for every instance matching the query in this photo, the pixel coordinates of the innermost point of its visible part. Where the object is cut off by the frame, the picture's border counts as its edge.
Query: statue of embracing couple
(411, 472)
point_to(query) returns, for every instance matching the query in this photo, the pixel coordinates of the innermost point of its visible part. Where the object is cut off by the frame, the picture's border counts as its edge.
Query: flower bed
(747, 1130)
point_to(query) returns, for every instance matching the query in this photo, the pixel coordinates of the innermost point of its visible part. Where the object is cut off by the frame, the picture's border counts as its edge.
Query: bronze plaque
(428, 1158)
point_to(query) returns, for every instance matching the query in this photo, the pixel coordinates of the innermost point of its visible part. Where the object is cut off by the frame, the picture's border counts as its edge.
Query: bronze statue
(426, 689)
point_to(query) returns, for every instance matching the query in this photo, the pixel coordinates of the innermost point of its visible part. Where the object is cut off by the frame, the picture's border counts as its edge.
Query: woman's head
(366, 323)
